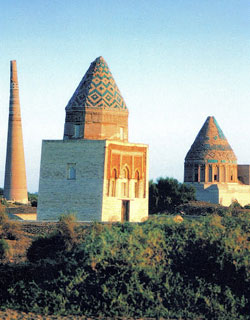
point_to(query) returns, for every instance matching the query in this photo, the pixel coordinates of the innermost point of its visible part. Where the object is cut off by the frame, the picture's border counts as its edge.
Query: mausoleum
(211, 167)
(94, 172)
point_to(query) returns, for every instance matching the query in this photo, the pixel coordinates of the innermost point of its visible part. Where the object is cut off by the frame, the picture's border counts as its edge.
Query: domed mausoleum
(211, 166)
(94, 172)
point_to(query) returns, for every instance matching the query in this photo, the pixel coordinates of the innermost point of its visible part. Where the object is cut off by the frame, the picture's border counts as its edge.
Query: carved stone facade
(125, 182)
(94, 172)
(211, 165)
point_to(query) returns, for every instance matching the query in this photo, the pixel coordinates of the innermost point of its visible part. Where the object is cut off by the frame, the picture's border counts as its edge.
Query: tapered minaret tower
(15, 186)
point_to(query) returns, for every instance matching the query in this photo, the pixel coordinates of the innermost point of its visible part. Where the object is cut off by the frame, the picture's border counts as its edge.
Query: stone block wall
(223, 193)
(71, 179)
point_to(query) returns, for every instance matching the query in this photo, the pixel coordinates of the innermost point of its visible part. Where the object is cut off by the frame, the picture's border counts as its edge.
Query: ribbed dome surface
(211, 144)
(97, 89)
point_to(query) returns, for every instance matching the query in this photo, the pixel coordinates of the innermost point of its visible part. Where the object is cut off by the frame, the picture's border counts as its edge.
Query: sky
(176, 62)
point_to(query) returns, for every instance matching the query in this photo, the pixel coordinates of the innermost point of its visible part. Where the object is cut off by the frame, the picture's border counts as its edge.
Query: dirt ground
(18, 315)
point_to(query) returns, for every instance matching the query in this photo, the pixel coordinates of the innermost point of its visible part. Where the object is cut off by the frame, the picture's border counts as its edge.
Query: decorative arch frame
(137, 183)
(113, 182)
(125, 177)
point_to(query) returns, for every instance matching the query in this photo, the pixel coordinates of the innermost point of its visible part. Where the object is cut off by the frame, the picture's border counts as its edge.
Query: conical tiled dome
(211, 145)
(97, 110)
(97, 89)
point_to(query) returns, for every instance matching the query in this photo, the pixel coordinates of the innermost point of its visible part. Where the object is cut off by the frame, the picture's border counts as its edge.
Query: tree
(167, 193)
(33, 198)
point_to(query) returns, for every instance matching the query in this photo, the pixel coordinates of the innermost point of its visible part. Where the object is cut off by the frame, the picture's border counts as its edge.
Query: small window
(210, 173)
(196, 173)
(124, 189)
(71, 175)
(137, 184)
(121, 133)
(113, 187)
(202, 173)
(232, 175)
(77, 131)
(113, 183)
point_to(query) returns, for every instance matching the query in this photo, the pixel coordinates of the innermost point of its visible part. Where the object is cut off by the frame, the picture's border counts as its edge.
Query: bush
(193, 269)
(4, 249)
(201, 208)
(66, 228)
(54, 245)
(3, 217)
(48, 247)
(9, 229)
(235, 205)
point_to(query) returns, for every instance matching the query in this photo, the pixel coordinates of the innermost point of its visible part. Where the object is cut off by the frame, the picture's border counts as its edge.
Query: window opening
(121, 133)
(77, 131)
(113, 183)
(210, 173)
(125, 183)
(232, 175)
(202, 178)
(196, 173)
(71, 171)
(137, 184)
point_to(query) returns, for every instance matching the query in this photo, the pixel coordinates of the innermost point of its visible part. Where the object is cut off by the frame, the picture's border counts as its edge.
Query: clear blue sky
(175, 62)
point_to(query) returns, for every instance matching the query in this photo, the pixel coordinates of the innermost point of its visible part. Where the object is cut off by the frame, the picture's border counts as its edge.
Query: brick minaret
(15, 186)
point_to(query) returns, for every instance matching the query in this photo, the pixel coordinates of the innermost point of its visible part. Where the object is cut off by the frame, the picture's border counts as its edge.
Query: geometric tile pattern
(211, 144)
(97, 89)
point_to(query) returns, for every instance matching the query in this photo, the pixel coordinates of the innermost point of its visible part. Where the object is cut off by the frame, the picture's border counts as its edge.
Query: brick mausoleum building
(94, 172)
(211, 167)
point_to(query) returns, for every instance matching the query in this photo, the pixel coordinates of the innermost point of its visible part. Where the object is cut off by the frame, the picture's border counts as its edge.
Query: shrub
(66, 228)
(48, 247)
(235, 205)
(189, 270)
(10, 230)
(201, 208)
(4, 249)
(56, 244)
(3, 217)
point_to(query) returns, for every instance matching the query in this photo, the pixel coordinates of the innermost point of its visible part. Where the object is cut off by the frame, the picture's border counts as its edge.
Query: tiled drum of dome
(97, 90)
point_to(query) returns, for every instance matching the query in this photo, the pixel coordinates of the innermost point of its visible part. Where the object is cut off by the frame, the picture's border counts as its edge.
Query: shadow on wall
(208, 194)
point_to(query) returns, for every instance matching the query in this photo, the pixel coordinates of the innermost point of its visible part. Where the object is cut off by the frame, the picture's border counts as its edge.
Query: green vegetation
(194, 269)
(4, 249)
(166, 194)
(8, 229)
(33, 198)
